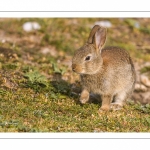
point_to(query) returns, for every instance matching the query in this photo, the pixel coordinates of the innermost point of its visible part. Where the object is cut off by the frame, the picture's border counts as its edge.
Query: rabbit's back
(115, 56)
(118, 61)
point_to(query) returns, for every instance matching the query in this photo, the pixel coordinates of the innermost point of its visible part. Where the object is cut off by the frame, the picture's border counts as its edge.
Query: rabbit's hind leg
(118, 101)
(106, 101)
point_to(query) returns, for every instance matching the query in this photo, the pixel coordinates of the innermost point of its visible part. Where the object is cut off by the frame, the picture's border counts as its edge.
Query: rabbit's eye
(88, 58)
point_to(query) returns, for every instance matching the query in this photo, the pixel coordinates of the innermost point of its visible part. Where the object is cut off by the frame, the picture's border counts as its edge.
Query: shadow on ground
(71, 90)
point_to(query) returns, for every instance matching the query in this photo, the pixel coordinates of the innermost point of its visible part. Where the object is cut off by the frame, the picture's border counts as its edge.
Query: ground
(38, 90)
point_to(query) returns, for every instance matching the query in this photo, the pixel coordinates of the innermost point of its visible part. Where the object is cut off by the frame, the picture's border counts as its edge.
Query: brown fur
(109, 72)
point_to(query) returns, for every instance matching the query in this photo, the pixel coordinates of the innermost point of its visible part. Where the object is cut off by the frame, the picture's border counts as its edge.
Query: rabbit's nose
(73, 67)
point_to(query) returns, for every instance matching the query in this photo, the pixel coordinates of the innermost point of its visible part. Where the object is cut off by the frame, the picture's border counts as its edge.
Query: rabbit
(108, 72)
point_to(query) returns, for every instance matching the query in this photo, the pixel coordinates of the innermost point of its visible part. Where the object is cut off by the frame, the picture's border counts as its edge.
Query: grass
(36, 89)
(145, 69)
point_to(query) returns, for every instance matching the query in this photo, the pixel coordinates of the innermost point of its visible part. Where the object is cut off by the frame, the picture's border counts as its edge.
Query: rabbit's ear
(97, 36)
(92, 33)
(100, 38)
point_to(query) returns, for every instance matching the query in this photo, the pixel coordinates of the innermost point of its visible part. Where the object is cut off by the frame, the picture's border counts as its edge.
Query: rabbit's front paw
(115, 106)
(84, 97)
(83, 100)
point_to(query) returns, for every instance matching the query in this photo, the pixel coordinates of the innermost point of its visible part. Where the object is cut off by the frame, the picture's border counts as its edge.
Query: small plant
(36, 80)
(143, 108)
(145, 30)
(56, 69)
(10, 66)
(36, 77)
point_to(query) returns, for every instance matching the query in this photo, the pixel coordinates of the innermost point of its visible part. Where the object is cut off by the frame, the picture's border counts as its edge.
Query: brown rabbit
(108, 72)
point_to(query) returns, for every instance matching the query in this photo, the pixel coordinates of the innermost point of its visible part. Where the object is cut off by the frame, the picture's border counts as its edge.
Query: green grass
(36, 89)
(145, 69)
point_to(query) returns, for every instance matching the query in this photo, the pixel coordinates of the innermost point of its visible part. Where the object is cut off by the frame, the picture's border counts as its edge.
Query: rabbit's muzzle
(76, 68)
